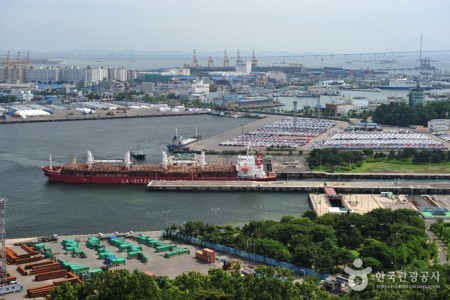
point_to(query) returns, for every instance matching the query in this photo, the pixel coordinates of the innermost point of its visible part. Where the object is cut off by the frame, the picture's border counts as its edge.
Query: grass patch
(388, 166)
(396, 166)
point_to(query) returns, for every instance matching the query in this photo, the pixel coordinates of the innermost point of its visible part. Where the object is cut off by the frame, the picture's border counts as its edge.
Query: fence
(243, 254)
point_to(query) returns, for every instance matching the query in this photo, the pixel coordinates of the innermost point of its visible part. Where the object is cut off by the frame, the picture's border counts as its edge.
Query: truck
(11, 287)
(44, 239)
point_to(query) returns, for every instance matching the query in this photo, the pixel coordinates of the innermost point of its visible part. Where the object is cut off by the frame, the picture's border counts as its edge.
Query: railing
(243, 254)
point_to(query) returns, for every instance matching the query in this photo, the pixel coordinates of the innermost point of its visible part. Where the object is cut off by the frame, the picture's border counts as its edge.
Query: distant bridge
(380, 55)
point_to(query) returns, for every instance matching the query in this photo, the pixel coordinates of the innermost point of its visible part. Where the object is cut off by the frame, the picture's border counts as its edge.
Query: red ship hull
(55, 175)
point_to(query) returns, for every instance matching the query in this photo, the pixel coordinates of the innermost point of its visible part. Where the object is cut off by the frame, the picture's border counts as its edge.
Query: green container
(118, 261)
(164, 248)
(104, 255)
(102, 250)
(117, 242)
(143, 258)
(92, 244)
(125, 247)
(94, 271)
(135, 248)
(142, 239)
(78, 269)
(159, 244)
(150, 242)
(133, 254)
(177, 251)
(39, 246)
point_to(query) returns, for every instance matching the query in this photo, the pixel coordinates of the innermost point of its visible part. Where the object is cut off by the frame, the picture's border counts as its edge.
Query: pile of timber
(23, 269)
(45, 290)
(13, 258)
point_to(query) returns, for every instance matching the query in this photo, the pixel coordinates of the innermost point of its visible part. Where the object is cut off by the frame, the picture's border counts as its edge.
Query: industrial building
(439, 125)
(340, 108)
(244, 67)
(416, 96)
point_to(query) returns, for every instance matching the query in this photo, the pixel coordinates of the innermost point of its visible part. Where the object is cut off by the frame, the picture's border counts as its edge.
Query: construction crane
(26, 60)
(6, 61)
(254, 60)
(194, 60)
(226, 61)
(210, 62)
(238, 57)
(17, 61)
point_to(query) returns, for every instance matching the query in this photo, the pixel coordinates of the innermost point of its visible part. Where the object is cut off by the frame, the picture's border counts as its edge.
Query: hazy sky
(300, 26)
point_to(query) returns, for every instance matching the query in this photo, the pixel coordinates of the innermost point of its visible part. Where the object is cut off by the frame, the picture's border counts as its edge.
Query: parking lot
(287, 132)
(387, 140)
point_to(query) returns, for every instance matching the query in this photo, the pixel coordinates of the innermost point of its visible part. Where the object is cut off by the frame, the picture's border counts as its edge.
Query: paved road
(443, 249)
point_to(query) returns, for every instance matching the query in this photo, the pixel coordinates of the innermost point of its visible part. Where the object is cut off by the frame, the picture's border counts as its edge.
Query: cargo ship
(179, 167)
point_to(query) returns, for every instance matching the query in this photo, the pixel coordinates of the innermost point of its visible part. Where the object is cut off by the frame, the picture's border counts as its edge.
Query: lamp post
(215, 210)
(320, 208)
(313, 261)
(167, 212)
(254, 245)
(339, 174)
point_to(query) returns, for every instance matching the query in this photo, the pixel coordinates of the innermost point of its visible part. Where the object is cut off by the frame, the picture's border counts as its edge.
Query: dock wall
(297, 186)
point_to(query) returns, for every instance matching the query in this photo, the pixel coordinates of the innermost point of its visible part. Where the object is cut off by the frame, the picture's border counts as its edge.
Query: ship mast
(90, 159)
(202, 159)
(51, 164)
(127, 160)
(165, 161)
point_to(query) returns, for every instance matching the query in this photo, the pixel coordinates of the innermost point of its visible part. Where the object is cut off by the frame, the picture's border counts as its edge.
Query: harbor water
(36, 207)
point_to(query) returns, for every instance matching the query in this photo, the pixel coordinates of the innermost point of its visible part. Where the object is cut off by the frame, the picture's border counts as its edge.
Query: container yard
(41, 266)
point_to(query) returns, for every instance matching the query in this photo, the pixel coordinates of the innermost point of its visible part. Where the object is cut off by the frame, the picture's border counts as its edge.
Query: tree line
(401, 114)
(383, 238)
(273, 283)
(342, 158)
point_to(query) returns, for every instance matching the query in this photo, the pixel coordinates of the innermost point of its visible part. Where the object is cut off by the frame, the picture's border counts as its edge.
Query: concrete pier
(358, 203)
(370, 187)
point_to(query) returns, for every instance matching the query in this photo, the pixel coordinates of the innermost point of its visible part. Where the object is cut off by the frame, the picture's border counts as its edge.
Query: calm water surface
(36, 207)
